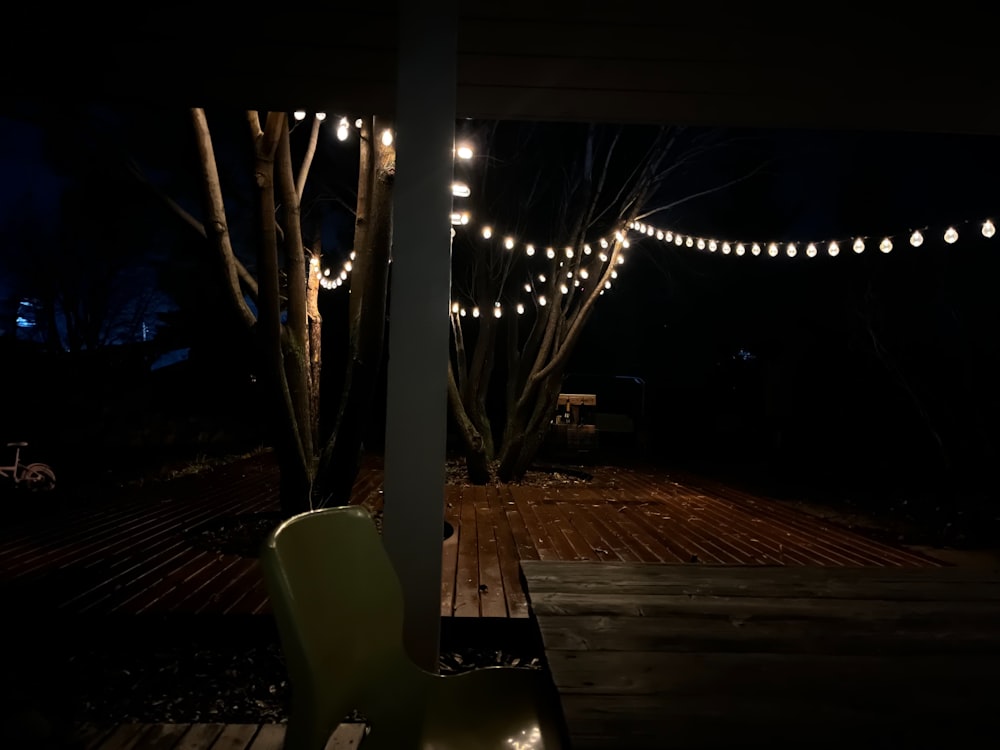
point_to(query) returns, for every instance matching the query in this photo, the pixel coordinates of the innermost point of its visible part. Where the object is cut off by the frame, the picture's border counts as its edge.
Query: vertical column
(416, 420)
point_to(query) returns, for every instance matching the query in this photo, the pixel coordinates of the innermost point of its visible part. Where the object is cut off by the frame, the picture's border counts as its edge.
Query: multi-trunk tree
(529, 273)
(274, 293)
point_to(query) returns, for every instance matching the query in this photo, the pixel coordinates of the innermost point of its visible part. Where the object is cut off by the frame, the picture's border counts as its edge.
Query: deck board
(138, 556)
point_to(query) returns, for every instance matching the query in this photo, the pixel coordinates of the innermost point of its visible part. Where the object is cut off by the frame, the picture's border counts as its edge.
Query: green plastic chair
(338, 606)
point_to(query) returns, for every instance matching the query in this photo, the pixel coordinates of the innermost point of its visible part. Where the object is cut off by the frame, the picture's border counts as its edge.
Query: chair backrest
(339, 610)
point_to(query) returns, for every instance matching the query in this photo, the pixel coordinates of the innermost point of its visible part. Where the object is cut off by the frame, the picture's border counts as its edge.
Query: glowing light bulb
(456, 218)
(569, 252)
(541, 278)
(621, 259)
(527, 287)
(462, 313)
(833, 250)
(299, 114)
(650, 231)
(487, 232)
(541, 300)
(584, 273)
(358, 123)
(587, 250)
(740, 250)
(678, 240)
(353, 255)
(475, 312)
(689, 242)
(988, 229)
(626, 244)
(348, 266)
(465, 217)
(712, 246)
(701, 244)
(343, 275)
(668, 237)
(497, 312)
(603, 242)
(885, 245)
(603, 257)
(569, 274)
(529, 249)
(386, 137)
(791, 251)
(508, 242)
(520, 309)
(342, 132)
(614, 274)
(811, 250)
(607, 284)
(563, 288)
(550, 253)
(951, 235)
(326, 272)
(454, 307)
(755, 249)
(464, 152)
(460, 190)
(321, 116)
(772, 250)
(859, 245)
(659, 235)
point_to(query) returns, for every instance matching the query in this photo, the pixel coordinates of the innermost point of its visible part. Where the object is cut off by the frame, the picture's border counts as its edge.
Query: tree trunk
(341, 457)
(476, 461)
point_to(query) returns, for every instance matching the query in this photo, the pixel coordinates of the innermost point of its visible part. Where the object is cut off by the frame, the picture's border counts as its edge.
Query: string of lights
(770, 249)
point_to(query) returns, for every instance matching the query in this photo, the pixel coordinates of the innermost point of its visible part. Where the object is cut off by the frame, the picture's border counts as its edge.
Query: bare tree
(594, 182)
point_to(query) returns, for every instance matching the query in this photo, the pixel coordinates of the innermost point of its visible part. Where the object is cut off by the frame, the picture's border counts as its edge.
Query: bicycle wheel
(38, 477)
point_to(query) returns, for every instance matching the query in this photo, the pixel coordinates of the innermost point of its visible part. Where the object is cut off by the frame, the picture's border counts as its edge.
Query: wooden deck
(649, 655)
(140, 554)
(202, 737)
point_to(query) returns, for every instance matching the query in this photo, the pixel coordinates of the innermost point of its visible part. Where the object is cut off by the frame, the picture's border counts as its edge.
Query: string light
(487, 232)
(951, 235)
(464, 152)
(885, 245)
(460, 190)
(858, 246)
(988, 229)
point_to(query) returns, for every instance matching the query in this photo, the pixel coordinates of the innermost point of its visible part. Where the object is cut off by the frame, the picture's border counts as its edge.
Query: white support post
(416, 419)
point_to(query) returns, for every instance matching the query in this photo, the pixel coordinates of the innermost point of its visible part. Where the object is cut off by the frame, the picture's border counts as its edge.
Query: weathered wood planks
(673, 655)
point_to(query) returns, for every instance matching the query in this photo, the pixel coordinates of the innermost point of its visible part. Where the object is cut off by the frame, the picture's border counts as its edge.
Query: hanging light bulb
(607, 284)
(689, 242)
(462, 313)
(603, 257)
(649, 231)
(621, 259)
(541, 278)
(755, 249)
(678, 240)
(584, 273)
(833, 250)
(454, 307)
(508, 242)
(550, 253)
(791, 250)
(520, 309)
(563, 288)
(659, 234)
(299, 114)
(951, 235)
(614, 274)
(321, 116)
(358, 123)
(348, 266)
(916, 239)
(712, 246)
(386, 137)
(541, 300)
(497, 312)
(464, 152)
(487, 232)
(811, 250)
(587, 250)
(465, 217)
(342, 131)
(885, 245)
(603, 242)
(988, 229)
(527, 287)
(460, 190)
(701, 244)
(475, 312)
(529, 249)
(772, 250)
(569, 252)
(668, 237)
(859, 245)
